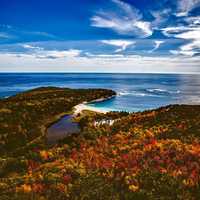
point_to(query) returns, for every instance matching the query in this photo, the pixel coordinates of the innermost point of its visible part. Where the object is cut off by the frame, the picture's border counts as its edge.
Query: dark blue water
(61, 129)
(135, 91)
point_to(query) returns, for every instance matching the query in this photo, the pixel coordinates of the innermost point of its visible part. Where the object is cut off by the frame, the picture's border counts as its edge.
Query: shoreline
(78, 109)
(83, 106)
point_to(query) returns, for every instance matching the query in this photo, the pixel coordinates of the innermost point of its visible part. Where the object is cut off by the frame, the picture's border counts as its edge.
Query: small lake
(62, 128)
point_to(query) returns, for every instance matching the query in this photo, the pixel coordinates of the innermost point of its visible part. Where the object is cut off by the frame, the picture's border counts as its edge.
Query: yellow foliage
(24, 188)
(133, 188)
(188, 182)
(44, 154)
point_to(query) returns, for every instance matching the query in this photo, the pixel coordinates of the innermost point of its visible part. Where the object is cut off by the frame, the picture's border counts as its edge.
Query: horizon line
(52, 72)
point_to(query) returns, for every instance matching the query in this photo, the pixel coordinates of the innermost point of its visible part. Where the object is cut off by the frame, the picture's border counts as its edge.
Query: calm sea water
(135, 92)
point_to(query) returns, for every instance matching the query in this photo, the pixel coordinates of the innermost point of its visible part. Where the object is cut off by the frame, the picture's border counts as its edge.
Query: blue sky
(100, 36)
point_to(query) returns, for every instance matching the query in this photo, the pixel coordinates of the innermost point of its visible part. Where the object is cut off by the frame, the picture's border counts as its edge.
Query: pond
(60, 129)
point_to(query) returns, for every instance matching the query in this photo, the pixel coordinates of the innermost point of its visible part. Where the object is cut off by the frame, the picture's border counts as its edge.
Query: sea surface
(135, 92)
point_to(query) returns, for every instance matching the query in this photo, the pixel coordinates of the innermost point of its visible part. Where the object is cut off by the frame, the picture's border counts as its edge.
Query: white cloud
(126, 20)
(191, 48)
(185, 6)
(28, 46)
(41, 53)
(55, 54)
(4, 35)
(183, 52)
(99, 63)
(123, 44)
(193, 21)
(45, 34)
(145, 27)
(10, 32)
(171, 31)
(157, 44)
(160, 17)
(128, 9)
(90, 55)
(192, 45)
(192, 34)
(181, 14)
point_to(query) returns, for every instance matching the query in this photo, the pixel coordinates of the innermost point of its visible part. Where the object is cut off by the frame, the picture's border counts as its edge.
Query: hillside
(121, 156)
(23, 117)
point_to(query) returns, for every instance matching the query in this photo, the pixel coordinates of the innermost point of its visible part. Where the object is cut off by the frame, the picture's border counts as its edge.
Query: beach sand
(80, 107)
(83, 106)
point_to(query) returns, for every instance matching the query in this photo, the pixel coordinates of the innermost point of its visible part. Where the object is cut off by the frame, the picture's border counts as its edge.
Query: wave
(135, 93)
(162, 91)
(156, 90)
(151, 92)
(123, 93)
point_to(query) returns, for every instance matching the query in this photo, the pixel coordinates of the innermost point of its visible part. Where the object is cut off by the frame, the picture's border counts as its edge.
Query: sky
(122, 36)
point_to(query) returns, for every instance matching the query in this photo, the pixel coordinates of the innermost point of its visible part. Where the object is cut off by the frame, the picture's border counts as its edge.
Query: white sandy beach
(80, 107)
(83, 106)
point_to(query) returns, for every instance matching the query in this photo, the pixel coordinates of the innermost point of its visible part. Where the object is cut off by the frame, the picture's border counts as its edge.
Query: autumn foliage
(147, 155)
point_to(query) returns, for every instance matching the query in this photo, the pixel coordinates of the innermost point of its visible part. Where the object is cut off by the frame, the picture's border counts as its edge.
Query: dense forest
(151, 155)
(23, 117)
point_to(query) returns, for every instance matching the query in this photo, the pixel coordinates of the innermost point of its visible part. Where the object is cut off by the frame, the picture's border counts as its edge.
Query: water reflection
(190, 89)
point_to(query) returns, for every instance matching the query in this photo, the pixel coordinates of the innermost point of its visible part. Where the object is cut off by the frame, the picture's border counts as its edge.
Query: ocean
(135, 92)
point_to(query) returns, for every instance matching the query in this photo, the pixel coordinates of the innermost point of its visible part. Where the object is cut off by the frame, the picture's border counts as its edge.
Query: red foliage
(67, 178)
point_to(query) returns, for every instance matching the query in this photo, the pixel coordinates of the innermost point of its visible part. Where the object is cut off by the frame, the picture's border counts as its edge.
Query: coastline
(83, 106)
(78, 109)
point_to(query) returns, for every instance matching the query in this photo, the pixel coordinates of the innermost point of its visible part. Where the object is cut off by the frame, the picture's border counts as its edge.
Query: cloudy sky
(100, 36)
